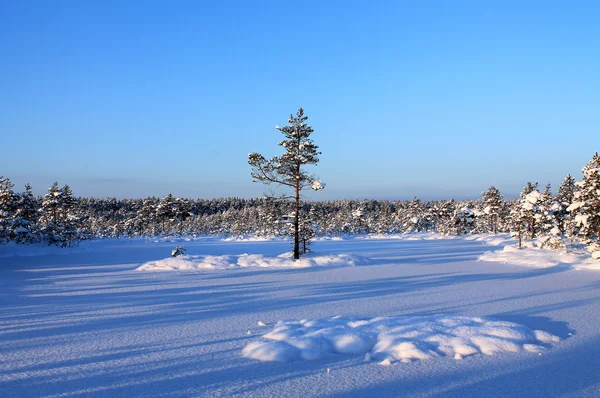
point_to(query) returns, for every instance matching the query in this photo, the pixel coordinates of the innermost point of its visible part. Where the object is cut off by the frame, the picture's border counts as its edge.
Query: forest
(572, 214)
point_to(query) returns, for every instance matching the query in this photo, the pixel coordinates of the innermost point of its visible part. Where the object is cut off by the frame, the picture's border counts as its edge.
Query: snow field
(391, 339)
(283, 261)
(89, 324)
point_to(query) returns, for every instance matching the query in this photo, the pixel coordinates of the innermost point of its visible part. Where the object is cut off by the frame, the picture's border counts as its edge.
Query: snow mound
(392, 339)
(408, 236)
(193, 262)
(255, 239)
(491, 239)
(541, 258)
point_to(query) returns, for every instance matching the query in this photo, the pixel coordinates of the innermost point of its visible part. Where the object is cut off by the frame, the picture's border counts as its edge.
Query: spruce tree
(287, 170)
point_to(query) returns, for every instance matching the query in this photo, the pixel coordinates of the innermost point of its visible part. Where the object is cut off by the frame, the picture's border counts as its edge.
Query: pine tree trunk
(297, 218)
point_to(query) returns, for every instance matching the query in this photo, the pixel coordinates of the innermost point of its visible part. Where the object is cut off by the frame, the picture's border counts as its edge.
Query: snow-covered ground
(391, 339)
(87, 322)
(246, 260)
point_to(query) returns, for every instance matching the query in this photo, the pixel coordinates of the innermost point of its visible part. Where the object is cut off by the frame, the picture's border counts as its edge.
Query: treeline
(58, 218)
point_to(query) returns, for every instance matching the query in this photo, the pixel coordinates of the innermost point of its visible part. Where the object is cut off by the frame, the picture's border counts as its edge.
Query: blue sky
(436, 99)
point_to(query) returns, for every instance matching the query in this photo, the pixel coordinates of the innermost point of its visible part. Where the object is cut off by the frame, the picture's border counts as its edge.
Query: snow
(87, 323)
(318, 185)
(532, 256)
(391, 339)
(255, 238)
(581, 219)
(532, 197)
(285, 260)
(575, 205)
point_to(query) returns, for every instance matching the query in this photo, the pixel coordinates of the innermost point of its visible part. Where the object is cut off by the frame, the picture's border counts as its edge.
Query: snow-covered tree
(516, 222)
(446, 211)
(307, 228)
(586, 203)
(564, 198)
(546, 209)
(287, 170)
(165, 211)
(463, 219)
(58, 223)
(528, 204)
(414, 220)
(8, 202)
(492, 208)
(26, 215)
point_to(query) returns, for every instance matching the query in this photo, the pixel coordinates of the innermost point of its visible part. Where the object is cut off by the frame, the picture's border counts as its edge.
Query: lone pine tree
(287, 170)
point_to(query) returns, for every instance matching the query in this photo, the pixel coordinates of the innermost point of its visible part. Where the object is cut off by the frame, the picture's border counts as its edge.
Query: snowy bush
(552, 242)
(178, 251)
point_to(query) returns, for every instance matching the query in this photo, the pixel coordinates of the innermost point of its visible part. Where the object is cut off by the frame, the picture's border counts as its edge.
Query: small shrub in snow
(552, 243)
(179, 251)
(594, 247)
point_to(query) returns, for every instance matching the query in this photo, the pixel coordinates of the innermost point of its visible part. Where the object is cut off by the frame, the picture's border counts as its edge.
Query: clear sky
(436, 99)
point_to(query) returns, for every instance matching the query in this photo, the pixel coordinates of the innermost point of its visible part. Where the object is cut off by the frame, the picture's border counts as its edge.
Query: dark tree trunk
(297, 218)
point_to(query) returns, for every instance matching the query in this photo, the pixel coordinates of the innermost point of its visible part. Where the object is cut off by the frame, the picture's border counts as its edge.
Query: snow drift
(541, 258)
(391, 339)
(283, 261)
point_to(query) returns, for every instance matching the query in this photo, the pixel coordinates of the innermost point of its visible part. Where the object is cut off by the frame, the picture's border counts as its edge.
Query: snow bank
(253, 238)
(189, 263)
(391, 339)
(491, 239)
(409, 236)
(541, 258)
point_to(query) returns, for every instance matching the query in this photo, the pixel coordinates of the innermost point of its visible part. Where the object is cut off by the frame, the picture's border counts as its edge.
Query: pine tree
(492, 208)
(414, 221)
(545, 218)
(445, 214)
(564, 198)
(463, 219)
(529, 207)
(586, 203)
(307, 228)
(287, 170)
(26, 217)
(57, 222)
(7, 209)
(68, 219)
(165, 211)
(516, 222)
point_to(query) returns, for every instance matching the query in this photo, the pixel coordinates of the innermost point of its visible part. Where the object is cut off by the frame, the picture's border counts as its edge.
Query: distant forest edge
(59, 218)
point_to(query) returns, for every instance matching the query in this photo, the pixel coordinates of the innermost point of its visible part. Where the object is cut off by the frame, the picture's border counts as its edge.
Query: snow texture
(201, 262)
(87, 323)
(318, 185)
(391, 339)
(532, 256)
